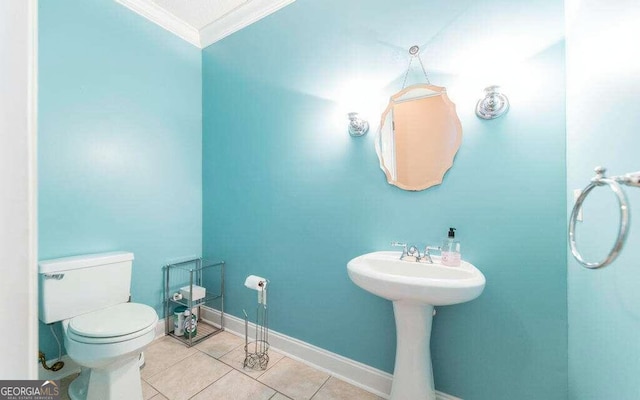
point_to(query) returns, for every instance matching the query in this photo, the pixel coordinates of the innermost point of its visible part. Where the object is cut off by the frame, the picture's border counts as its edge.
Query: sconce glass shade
(494, 104)
(357, 126)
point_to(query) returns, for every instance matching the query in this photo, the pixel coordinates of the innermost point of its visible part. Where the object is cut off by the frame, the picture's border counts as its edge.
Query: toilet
(103, 332)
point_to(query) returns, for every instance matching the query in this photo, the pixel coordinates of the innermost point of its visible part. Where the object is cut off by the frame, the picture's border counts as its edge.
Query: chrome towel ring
(632, 179)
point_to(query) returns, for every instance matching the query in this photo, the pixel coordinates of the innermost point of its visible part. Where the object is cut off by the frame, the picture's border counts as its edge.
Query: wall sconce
(357, 126)
(494, 104)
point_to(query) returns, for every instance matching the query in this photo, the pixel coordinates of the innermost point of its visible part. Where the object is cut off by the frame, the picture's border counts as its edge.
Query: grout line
(143, 381)
(171, 365)
(256, 379)
(320, 388)
(218, 358)
(191, 355)
(212, 383)
(266, 370)
(239, 371)
(281, 394)
(155, 388)
(242, 371)
(277, 391)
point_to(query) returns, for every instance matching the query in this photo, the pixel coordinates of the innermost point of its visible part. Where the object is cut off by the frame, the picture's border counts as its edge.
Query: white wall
(18, 252)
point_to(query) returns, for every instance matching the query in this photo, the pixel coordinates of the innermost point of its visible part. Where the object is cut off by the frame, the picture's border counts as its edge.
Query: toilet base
(120, 380)
(78, 387)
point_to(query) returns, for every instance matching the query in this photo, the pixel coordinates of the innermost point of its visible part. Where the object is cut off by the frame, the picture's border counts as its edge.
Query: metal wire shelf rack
(189, 273)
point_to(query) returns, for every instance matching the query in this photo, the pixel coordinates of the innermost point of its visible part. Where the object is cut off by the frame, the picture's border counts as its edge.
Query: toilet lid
(118, 320)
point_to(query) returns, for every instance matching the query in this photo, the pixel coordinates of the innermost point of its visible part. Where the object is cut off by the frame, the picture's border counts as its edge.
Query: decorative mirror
(420, 134)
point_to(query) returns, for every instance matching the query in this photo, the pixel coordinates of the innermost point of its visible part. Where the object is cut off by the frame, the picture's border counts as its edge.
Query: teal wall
(603, 93)
(290, 196)
(136, 126)
(119, 141)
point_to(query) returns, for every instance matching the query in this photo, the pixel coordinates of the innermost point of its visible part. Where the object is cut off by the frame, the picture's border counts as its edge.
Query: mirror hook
(414, 53)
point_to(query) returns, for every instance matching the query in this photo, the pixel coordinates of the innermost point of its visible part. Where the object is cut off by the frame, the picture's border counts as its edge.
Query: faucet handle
(427, 254)
(404, 248)
(413, 254)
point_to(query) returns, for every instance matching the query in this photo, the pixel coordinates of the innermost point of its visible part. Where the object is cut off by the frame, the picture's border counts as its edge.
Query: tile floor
(213, 370)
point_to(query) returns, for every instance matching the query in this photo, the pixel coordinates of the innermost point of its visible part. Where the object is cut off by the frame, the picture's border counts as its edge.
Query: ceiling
(204, 22)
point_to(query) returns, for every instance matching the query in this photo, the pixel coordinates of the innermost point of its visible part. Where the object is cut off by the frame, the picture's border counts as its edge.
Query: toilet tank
(72, 286)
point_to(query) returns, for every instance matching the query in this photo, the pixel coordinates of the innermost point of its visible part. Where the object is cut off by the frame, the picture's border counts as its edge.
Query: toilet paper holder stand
(256, 352)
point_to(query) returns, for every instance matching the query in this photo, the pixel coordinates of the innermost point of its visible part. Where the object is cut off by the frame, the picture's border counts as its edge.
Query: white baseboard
(368, 378)
(160, 329)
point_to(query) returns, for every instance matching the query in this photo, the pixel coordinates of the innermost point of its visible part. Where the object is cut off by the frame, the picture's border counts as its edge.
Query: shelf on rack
(204, 331)
(200, 302)
(196, 264)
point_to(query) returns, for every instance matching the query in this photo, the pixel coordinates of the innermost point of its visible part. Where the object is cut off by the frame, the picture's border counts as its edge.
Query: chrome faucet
(412, 253)
(404, 248)
(426, 258)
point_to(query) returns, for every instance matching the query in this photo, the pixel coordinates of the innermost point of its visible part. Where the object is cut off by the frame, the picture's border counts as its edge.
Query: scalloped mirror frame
(426, 133)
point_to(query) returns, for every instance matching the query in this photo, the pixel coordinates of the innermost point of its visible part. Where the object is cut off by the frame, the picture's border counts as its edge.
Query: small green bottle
(190, 324)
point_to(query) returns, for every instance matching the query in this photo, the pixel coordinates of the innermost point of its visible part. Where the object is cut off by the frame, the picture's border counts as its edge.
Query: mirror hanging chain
(414, 52)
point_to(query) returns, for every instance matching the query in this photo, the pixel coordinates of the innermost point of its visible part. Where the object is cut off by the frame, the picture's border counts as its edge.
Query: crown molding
(165, 19)
(240, 17)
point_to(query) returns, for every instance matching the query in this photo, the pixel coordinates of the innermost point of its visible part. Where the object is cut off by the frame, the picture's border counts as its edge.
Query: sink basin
(414, 288)
(384, 274)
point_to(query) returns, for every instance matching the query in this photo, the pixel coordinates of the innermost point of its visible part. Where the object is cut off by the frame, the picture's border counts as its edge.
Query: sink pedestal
(413, 288)
(413, 375)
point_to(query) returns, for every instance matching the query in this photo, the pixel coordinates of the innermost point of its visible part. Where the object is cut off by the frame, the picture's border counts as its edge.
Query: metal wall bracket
(494, 104)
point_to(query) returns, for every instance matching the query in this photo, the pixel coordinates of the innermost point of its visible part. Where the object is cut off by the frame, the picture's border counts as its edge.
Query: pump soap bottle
(451, 250)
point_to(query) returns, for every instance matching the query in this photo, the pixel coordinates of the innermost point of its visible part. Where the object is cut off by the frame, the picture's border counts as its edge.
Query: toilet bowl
(103, 332)
(108, 343)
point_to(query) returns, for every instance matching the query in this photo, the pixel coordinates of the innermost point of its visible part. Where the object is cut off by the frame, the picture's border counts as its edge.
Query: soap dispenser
(451, 250)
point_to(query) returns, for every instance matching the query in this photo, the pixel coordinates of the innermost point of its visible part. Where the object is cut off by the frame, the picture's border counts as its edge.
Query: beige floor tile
(189, 376)
(175, 372)
(280, 396)
(237, 386)
(335, 389)
(235, 358)
(147, 390)
(163, 353)
(220, 344)
(294, 379)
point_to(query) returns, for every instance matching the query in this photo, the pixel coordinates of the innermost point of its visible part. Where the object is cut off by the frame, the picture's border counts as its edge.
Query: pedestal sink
(414, 288)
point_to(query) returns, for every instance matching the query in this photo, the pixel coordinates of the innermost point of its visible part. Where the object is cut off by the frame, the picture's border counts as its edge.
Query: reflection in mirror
(419, 136)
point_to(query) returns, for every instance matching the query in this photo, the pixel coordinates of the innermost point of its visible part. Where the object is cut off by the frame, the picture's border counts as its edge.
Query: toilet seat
(113, 324)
